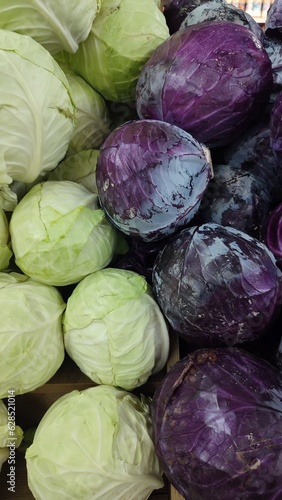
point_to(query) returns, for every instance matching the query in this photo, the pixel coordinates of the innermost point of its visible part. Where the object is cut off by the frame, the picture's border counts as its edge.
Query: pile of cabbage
(140, 201)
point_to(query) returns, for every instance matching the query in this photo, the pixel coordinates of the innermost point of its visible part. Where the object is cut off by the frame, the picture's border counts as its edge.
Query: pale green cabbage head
(5, 247)
(37, 116)
(123, 36)
(11, 435)
(96, 443)
(57, 25)
(31, 333)
(59, 233)
(114, 329)
(78, 167)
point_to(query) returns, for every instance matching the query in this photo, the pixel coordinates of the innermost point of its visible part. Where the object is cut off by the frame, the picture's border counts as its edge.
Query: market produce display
(140, 249)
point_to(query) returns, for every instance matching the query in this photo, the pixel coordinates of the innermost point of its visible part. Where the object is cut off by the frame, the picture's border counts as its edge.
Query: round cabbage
(151, 176)
(96, 443)
(59, 234)
(217, 285)
(114, 329)
(37, 112)
(123, 36)
(31, 333)
(211, 79)
(217, 424)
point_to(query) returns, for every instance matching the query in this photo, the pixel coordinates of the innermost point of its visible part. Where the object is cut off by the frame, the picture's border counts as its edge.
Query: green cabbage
(59, 234)
(37, 112)
(92, 124)
(79, 167)
(123, 36)
(31, 333)
(114, 330)
(5, 247)
(57, 25)
(96, 443)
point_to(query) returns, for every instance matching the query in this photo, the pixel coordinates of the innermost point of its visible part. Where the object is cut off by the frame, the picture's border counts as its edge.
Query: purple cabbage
(272, 233)
(273, 22)
(253, 153)
(220, 10)
(273, 48)
(211, 79)
(140, 257)
(276, 129)
(217, 285)
(217, 423)
(278, 357)
(235, 198)
(175, 11)
(151, 176)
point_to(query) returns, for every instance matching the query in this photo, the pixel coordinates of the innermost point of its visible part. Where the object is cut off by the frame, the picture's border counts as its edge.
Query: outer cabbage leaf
(57, 25)
(37, 112)
(114, 330)
(97, 442)
(5, 247)
(123, 36)
(59, 234)
(31, 334)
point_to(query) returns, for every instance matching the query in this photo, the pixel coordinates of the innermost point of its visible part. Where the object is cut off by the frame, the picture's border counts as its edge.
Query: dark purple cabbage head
(151, 177)
(278, 357)
(252, 152)
(217, 422)
(211, 79)
(272, 233)
(273, 22)
(235, 198)
(175, 11)
(220, 10)
(273, 48)
(276, 129)
(140, 256)
(217, 285)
